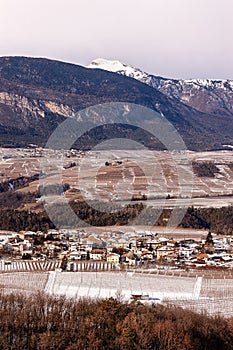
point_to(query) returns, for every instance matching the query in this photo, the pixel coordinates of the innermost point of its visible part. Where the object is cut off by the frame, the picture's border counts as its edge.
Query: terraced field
(165, 178)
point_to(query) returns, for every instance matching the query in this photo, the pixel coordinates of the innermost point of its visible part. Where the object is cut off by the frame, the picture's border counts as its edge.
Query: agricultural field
(208, 294)
(216, 297)
(23, 282)
(123, 285)
(167, 180)
(27, 266)
(52, 265)
(163, 179)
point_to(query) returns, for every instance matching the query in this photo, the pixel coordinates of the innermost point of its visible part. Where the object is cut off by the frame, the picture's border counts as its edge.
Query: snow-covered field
(156, 174)
(121, 284)
(23, 282)
(202, 294)
(211, 295)
(215, 298)
(166, 178)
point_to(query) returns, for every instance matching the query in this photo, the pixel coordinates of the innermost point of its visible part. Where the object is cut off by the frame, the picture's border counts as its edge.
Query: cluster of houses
(119, 248)
(36, 152)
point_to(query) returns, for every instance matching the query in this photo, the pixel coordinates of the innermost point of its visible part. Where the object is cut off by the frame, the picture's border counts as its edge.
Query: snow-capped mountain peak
(206, 95)
(120, 68)
(110, 65)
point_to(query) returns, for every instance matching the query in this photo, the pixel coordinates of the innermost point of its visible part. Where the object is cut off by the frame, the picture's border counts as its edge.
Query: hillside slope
(38, 94)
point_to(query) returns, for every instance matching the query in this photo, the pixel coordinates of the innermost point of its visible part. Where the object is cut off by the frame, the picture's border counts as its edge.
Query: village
(66, 249)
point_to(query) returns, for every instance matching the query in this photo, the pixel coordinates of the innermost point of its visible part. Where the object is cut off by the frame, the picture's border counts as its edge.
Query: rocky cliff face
(27, 108)
(208, 96)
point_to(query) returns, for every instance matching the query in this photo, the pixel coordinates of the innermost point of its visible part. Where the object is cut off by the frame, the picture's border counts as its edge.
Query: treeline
(15, 220)
(106, 214)
(19, 182)
(14, 199)
(205, 169)
(40, 322)
(12, 217)
(218, 220)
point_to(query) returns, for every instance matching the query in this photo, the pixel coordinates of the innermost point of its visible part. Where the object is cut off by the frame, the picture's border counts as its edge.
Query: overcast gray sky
(172, 38)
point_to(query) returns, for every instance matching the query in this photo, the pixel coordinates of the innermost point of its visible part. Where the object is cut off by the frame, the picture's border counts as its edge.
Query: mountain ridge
(37, 94)
(196, 93)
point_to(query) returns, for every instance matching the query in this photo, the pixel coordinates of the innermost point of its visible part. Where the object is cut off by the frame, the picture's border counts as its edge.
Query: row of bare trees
(40, 322)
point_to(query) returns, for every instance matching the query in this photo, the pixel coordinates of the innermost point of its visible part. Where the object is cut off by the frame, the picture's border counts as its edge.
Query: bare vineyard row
(8, 266)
